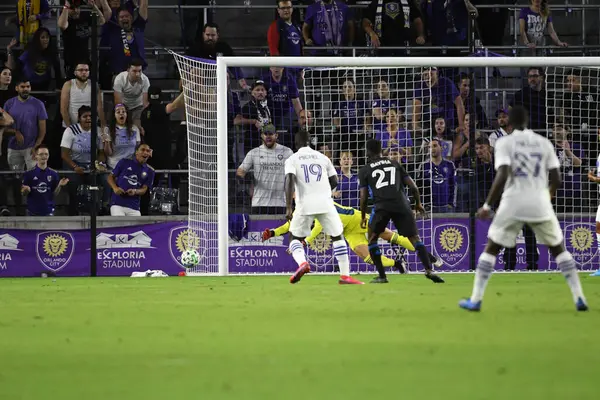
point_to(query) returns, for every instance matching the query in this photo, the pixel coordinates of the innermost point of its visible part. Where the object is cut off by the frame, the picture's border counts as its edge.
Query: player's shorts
(505, 229)
(356, 239)
(404, 221)
(301, 225)
(598, 214)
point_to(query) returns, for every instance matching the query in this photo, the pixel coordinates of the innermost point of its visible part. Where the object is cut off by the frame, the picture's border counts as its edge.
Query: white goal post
(224, 63)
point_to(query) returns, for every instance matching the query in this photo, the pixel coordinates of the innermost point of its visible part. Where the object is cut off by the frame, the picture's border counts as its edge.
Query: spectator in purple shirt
(438, 174)
(348, 113)
(394, 136)
(437, 96)
(130, 180)
(29, 128)
(328, 23)
(283, 98)
(41, 184)
(444, 138)
(125, 36)
(384, 101)
(533, 21)
(38, 60)
(347, 191)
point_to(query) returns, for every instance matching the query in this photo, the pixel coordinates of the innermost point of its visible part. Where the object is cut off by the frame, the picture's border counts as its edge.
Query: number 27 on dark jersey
(385, 180)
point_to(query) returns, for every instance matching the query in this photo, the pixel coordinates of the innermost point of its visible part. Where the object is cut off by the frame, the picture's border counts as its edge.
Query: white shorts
(301, 225)
(598, 214)
(505, 229)
(120, 211)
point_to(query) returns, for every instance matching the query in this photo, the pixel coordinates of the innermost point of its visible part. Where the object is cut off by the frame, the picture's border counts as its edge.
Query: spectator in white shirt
(131, 89)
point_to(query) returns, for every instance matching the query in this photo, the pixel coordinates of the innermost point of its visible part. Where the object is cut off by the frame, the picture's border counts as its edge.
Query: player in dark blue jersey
(384, 180)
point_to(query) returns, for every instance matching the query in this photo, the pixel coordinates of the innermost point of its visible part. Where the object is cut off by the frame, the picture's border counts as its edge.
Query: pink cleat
(348, 280)
(303, 269)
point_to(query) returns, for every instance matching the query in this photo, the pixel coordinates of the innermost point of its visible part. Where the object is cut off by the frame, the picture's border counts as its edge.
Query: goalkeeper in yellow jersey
(356, 238)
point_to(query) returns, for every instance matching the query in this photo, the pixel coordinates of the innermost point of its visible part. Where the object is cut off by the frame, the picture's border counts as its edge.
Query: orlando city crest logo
(183, 238)
(580, 241)
(451, 243)
(319, 253)
(54, 249)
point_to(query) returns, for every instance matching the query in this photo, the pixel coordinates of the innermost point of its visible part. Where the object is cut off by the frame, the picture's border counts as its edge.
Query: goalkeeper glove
(268, 234)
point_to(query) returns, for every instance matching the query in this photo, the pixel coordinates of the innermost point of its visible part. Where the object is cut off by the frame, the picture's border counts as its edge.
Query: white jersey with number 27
(530, 157)
(312, 170)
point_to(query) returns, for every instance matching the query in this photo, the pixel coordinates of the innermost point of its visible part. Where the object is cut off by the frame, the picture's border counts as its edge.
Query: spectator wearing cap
(437, 96)
(266, 163)
(255, 114)
(533, 98)
(131, 89)
(503, 128)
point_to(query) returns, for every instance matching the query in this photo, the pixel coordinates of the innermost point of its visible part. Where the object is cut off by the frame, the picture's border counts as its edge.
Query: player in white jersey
(594, 176)
(523, 162)
(311, 176)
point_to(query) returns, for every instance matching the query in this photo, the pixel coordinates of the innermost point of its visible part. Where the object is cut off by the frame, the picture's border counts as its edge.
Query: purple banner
(123, 250)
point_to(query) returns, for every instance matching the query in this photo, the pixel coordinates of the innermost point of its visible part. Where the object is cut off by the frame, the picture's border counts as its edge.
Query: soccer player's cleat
(434, 278)
(303, 269)
(401, 265)
(467, 304)
(438, 263)
(379, 279)
(580, 305)
(267, 234)
(348, 280)
(597, 273)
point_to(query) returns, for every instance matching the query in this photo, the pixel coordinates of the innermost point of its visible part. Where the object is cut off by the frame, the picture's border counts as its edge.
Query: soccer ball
(190, 258)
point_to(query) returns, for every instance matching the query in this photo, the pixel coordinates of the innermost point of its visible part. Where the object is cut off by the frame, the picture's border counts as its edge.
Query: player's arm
(364, 197)
(502, 174)
(414, 190)
(555, 181)
(290, 184)
(364, 194)
(332, 174)
(553, 166)
(502, 162)
(279, 231)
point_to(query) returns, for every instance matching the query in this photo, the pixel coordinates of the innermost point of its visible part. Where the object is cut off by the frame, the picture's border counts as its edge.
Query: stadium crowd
(428, 119)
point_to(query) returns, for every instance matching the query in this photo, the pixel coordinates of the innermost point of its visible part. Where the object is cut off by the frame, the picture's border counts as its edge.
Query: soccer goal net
(242, 114)
(572, 104)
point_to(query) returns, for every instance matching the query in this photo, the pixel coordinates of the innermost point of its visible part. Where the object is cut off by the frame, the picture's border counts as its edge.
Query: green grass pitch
(262, 338)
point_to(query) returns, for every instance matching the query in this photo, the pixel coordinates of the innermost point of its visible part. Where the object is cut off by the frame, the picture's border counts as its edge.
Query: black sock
(423, 256)
(375, 253)
(432, 258)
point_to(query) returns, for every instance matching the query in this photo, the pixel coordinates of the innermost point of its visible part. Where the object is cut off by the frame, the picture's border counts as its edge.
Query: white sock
(340, 251)
(567, 266)
(485, 267)
(297, 250)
